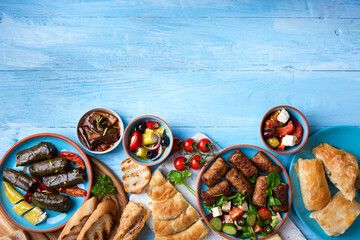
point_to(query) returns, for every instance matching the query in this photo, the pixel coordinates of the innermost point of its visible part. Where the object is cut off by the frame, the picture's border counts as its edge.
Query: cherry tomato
(264, 214)
(73, 157)
(179, 163)
(188, 145)
(298, 133)
(176, 146)
(195, 162)
(286, 130)
(204, 145)
(235, 213)
(152, 125)
(135, 141)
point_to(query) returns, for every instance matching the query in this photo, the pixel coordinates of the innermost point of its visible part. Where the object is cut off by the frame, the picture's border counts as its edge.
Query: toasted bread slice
(135, 176)
(78, 220)
(100, 222)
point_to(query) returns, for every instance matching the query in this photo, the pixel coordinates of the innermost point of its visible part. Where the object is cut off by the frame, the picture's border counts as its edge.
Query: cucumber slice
(229, 228)
(216, 223)
(251, 219)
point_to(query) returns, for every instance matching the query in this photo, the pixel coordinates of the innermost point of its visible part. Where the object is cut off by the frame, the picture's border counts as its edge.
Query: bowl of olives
(284, 130)
(148, 140)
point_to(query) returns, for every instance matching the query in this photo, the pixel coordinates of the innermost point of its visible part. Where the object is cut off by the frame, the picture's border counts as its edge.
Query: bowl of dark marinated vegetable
(45, 179)
(148, 140)
(284, 130)
(244, 192)
(100, 130)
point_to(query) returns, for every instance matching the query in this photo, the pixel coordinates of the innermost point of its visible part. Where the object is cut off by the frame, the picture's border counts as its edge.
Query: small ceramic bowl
(129, 130)
(299, 117)
(121, 125)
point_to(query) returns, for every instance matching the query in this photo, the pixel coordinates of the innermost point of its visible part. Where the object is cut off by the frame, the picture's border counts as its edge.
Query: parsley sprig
(179, 178)
(103, 186)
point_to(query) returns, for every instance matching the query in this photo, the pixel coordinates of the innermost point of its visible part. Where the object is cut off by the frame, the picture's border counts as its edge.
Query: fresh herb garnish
(273, 180)
(103, 186)
(179, 178)
(51, 163)
(98, 120)
(116, 127)
(105, 131)
(253, 178)
(343, 154)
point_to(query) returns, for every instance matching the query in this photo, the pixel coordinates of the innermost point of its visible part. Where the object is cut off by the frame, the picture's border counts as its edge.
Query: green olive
(273, 142)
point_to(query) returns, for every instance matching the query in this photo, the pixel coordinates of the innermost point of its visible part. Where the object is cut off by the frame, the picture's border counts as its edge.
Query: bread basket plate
(343, 137)
(55, 220)
(249, 151)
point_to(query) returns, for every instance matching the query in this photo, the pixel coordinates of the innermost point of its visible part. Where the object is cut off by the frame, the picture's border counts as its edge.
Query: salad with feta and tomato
(282, 131)
(148, 140)
(237, 216)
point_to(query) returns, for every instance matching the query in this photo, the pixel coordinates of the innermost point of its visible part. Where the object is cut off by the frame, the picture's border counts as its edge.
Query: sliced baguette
(100, 222)
(135, 176)
(78, 220)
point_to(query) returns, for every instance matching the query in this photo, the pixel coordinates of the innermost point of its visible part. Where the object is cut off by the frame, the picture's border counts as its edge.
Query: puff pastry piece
(340, 166)
(338, 215)
(314, 188)
(174, 217)
(185, 220)
(169, 209)
(194, 232)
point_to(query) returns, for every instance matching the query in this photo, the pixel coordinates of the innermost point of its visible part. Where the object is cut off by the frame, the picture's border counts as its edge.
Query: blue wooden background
(202, 65)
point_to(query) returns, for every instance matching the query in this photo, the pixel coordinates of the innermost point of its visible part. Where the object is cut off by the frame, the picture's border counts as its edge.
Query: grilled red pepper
(42, 187)
(73, 157)
(73, 191)
(152, 125)
(298, 133)
(28, 196)
(135, 141)
(286, 130)
(272, 121)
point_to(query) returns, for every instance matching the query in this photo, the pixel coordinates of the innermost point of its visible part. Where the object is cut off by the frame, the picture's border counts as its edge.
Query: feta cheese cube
(228, 219)
(288, 140)
(244, 206)
(283, 116)
(216, 211)
(276, 218)
(226, 206)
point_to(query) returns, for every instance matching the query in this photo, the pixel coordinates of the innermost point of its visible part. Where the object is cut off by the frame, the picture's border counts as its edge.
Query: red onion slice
(159, 154)
(156, 145)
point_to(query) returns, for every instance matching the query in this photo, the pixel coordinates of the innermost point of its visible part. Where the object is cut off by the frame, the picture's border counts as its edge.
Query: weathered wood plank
(179, 44)
(181, 9)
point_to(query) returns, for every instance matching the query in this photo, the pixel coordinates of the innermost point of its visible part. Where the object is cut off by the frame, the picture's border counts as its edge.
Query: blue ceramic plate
(129, 130)
(344, 137)
(249, 151)
(55, 220)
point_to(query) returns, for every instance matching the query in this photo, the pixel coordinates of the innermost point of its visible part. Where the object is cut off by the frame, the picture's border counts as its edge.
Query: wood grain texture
(210, 66)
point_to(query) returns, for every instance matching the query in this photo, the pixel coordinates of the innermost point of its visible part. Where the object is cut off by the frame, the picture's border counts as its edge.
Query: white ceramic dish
(121, 124)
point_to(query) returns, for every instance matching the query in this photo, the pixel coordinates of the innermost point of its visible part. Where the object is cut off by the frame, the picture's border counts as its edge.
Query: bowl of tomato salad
(148, 140)
(284, 130)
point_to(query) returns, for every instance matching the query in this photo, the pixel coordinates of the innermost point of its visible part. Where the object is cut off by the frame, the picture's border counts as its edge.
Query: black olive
(238, 234)
(141, 127)
(268, 228)
(164, 141)
(241, 221)
(151, 154)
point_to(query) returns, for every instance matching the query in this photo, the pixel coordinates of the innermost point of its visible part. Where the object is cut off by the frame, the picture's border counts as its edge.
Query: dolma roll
(19, 179)
(265, 164)
(242, 163)
(42, 151)
(239, 181)
(49, 167)
(280, 192)
(259, 197)
(211, 195)
(53, 202)
(215, 172)
(63, 180)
